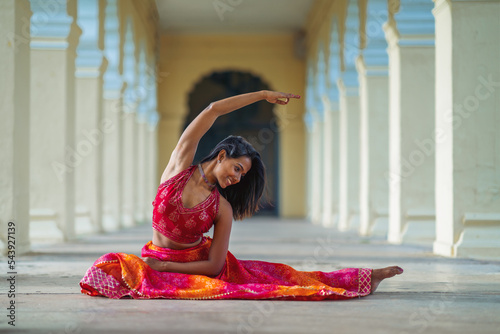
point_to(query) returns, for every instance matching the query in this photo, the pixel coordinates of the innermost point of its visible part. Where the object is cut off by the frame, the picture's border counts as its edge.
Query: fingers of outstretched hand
(281, 98)
(290, 96)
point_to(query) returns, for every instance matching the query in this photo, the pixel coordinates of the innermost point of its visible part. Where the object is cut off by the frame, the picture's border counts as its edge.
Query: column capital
(349, 78)
(308, 120)
(410, 23)
(142, 88)
(333, 92)
(153, 119)
(333, 62)
(329, 105)
(129, 70)
(346, 90)
(395, 39)
(53, 24)
(375, 57)
(152, 115)
(318, 109)
(375, 44)
(89, 60)
(440, 5)
(113, 81)
(369, 69)
(351, 44)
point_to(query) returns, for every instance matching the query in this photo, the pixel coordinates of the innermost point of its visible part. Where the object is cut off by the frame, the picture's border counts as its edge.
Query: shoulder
(175, 175)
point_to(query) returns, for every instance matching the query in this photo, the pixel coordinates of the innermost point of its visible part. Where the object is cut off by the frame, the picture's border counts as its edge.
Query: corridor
(434, 295)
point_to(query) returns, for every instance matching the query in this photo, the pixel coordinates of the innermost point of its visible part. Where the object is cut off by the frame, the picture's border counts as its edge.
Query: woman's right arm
(185, 150)
(216, 255)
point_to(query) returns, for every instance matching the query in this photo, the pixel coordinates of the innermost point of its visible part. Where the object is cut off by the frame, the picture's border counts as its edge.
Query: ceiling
(232, 16)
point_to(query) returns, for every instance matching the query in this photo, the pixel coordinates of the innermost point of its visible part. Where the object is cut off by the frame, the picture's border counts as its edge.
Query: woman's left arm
(216, 256)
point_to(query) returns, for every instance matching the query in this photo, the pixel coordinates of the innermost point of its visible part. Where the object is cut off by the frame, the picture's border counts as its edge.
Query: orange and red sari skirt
(117, 275)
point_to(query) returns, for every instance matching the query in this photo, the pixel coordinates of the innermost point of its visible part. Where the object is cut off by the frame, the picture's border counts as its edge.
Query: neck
(208, 170)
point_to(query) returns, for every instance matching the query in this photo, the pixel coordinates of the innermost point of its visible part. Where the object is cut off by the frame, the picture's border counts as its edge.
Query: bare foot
(378, 275)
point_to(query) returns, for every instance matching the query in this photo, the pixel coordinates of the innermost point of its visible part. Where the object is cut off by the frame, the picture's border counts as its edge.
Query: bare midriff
(162, 241)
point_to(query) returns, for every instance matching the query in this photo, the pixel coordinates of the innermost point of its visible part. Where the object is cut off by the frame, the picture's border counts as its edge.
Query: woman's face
(230, 171)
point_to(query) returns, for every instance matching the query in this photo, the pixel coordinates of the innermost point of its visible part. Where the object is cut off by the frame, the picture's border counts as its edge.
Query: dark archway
(256, 123)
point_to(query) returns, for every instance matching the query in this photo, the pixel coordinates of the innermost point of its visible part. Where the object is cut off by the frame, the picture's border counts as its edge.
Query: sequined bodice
(176, 222)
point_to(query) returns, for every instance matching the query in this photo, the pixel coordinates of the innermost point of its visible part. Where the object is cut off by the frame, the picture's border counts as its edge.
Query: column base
(110, 223)
(330, 221)
(380, 227)
(480, 238)
(343, 224)
(377, 224)
(128, 220)
(395, 238)
(21, 247)
(83, 222)
(354, 222)
(420, 232)
(44, 228)
(442, 248)
(140, 219)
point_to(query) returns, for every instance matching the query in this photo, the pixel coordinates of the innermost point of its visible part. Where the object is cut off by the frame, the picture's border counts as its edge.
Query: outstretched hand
(279, 98)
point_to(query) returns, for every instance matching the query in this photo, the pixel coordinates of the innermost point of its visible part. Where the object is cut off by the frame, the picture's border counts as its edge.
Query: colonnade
(403, 115)
(79, 148)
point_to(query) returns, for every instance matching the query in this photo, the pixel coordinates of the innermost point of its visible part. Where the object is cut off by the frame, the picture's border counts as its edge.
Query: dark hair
(243, 196)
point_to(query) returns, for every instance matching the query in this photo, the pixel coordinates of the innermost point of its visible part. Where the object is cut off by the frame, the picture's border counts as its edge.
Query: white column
(410, 35)
(153, 180)
(330, 162)
(129, 163)
(112, 166)
(348, 87)
(112, 113)
(372, 67)
(129, 126)
(52, 144)
(140, 209)
(467, 128)
(309, 184)
(90, 125)
(317, 168)
(331, 130)
(141, 158)
(349, 157)
(128, 182)
(14, 127)
(323, 142)
(314, 122)
(374, 153)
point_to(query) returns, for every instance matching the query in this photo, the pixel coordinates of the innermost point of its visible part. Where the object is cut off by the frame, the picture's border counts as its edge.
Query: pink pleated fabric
(118, 275)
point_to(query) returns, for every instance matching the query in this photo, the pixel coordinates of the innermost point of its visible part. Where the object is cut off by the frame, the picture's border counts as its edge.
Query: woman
(181, 263)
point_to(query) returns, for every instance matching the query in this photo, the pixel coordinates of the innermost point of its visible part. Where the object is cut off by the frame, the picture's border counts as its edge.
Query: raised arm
(185, 150)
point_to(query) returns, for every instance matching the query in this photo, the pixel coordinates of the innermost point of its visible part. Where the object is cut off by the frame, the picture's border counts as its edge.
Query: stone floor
(434, 295)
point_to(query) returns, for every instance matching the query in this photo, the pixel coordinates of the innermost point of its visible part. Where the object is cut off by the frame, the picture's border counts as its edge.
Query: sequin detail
(176, 222)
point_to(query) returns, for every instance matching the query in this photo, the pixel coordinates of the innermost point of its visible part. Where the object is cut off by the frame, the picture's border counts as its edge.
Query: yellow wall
(186, 59)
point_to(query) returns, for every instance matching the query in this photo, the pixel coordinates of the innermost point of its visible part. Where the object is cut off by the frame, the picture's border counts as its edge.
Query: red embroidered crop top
(173, 220)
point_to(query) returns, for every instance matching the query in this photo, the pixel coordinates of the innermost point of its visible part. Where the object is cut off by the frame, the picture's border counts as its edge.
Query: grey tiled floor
(434, 295)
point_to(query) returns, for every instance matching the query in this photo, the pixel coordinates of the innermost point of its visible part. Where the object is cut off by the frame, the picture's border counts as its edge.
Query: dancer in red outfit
(181, 263)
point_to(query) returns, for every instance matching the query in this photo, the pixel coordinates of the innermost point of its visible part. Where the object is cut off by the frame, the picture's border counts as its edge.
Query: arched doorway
(256, 123)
